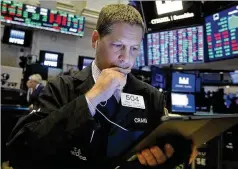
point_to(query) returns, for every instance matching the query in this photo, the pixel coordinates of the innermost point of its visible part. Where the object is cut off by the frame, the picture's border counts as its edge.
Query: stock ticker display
(222, 34)
(176, 46)
(41, 18)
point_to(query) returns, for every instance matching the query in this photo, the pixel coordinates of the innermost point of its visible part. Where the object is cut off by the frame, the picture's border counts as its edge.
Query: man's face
(31, 84)
(120, 48)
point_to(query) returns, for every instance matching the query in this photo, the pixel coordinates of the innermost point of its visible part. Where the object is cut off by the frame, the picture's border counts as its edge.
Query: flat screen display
(86, 62)
(234, 77)
(51, 59)
(182, 82)
(222, 34)
(184, 103)
(17, 37)
(158, 78)
(36, 17)
(176, 46)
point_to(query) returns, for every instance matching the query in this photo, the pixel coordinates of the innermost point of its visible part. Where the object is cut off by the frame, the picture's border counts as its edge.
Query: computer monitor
(17, 36)
(234, 77)
(183, 82)
(51, 59)
(182, 103)
(84, 61)
(158, 78)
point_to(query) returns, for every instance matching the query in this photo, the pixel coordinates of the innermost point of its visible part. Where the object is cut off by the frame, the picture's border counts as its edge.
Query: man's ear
(95, 38)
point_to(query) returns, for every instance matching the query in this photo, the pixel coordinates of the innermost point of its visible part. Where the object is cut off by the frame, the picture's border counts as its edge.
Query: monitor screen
(17, 37)
(37, 17)
(87, 61)
(234, 77)
(51, 59)
(182, 82)
(222, 34)
(183, 103)
(158, 78)
(176, 46)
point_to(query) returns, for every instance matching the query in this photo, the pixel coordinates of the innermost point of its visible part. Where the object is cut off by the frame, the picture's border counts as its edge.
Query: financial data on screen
(176, 46)
(222, 34)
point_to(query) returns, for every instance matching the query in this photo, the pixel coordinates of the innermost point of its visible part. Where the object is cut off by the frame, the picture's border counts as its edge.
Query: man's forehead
(125, 31)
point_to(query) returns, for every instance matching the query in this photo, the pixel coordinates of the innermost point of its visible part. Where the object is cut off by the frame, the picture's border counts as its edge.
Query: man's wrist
(92, 108)
(92, 98)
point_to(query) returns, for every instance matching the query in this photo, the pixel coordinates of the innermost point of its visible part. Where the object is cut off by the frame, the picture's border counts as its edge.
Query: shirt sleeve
(92, 109)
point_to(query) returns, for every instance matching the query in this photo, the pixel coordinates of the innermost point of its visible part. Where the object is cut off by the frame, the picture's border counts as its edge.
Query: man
(82, 122)
(34, 85)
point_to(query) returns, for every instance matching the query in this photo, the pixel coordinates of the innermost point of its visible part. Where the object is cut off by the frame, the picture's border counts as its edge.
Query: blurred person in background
(34, 88)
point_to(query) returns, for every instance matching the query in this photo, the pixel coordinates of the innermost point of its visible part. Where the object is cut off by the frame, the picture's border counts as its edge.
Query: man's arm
(57, 119)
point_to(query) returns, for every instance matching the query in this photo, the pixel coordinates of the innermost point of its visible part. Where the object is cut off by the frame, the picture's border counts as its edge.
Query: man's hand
(155, 156)
(107, 83)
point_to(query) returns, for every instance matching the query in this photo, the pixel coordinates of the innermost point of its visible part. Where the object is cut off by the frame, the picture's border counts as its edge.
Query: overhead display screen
(222, 34)
(176, 46)
(41, 18)
(162, 15)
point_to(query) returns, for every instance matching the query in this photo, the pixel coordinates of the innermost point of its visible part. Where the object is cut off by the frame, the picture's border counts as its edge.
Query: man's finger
(158, 154)
(142, 159)
(193, 155)
(169, 150)
(150, 159)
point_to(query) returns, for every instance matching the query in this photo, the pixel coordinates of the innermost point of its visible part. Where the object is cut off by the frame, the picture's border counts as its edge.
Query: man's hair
(36, 77)
(116, 13)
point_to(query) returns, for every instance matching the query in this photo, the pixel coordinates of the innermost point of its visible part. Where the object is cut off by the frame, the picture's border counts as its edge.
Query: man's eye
(117, 45)
(135, 48)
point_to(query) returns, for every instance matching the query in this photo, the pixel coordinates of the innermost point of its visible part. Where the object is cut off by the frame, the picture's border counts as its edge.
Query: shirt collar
(37, 86)
(95, 71)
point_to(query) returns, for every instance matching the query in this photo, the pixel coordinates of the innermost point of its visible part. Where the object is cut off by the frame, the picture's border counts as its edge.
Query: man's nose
(125, 55)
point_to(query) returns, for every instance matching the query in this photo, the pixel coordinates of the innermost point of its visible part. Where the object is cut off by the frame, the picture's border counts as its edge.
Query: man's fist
(107, 83)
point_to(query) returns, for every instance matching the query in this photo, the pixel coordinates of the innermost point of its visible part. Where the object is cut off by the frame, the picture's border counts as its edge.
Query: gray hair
(36, 77)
